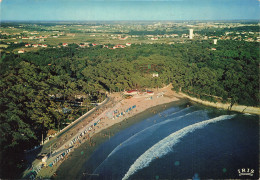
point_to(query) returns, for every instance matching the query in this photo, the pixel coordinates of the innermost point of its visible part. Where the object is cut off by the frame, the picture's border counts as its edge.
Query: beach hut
(150, 92)
(44, 159)
(131, 92)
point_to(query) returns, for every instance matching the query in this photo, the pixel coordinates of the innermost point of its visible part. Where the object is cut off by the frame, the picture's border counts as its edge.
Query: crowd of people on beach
(84, 134)
(117, 114)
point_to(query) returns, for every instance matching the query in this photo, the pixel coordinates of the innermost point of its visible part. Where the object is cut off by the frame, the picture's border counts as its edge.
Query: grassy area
(77, 34)
(3, 45)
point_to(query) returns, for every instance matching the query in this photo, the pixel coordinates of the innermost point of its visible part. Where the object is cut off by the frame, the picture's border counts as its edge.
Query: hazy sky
(129, 9)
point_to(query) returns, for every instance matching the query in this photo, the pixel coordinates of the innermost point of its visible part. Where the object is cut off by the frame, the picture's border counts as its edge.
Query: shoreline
(110, 123)
(75, 165)
(114, 113)
(237, 108)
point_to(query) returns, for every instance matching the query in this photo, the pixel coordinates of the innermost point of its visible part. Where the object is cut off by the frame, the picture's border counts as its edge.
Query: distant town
(19, 37)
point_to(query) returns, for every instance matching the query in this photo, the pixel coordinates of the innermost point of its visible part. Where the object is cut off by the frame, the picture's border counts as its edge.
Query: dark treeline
(36, 87)
(222, 31)
(244, 28)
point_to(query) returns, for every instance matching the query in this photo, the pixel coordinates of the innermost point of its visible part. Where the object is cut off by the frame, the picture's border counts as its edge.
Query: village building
(154, 38)
(151, 93)
(131, 92)
(82, 45)
(80, 96)
(155, 74)
(21, 51)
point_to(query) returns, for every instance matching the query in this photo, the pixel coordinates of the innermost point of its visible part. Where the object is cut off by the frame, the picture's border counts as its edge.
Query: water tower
(191, 34)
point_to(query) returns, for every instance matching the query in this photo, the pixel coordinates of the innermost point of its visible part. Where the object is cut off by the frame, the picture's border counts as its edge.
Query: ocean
(184, 142)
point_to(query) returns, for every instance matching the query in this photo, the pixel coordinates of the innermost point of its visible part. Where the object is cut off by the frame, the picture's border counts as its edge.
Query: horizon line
(258, 20)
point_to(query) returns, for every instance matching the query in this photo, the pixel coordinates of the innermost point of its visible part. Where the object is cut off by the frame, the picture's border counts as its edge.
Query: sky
(103, 10)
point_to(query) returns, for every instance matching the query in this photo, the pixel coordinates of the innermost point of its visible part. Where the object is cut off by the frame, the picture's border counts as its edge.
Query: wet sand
(72, 167)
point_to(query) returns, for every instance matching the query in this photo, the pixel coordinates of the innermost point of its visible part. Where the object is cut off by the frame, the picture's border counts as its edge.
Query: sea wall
(238, 108)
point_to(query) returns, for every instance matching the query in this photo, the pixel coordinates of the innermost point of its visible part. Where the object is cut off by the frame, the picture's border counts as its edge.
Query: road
(62, 134)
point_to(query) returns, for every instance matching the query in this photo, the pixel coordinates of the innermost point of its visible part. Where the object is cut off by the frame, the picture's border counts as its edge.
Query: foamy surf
(144, 133)
(248, 114)
(180, 111)
(165, 145)
(147, 132)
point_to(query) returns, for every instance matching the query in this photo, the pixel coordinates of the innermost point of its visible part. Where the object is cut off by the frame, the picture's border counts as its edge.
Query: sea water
(181, 143)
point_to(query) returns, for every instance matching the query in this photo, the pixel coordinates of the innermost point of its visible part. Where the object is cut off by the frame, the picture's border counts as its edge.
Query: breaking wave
(145, 133)
(180, 111)
(164, 146)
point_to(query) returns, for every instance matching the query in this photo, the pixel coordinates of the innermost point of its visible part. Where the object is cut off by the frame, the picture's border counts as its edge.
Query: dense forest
(46, 89)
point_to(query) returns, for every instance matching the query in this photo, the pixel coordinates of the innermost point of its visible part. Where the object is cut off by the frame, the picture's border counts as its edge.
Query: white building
(215, 41)
(20, 51)
(155, 74)
(191, 34)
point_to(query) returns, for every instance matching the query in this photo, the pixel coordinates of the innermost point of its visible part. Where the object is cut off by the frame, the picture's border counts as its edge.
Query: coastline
(142, 105)
(237, 108)
(75, 165)
(146, 106)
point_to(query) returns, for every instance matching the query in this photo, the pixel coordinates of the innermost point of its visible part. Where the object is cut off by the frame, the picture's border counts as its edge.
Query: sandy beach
(117, 113)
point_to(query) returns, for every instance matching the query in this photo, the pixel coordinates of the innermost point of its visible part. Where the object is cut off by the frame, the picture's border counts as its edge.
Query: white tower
(191, 34)
(215, 41)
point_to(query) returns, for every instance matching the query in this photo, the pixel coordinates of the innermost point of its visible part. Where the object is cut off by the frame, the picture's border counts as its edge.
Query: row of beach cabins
(60, 157)
(117, 114)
